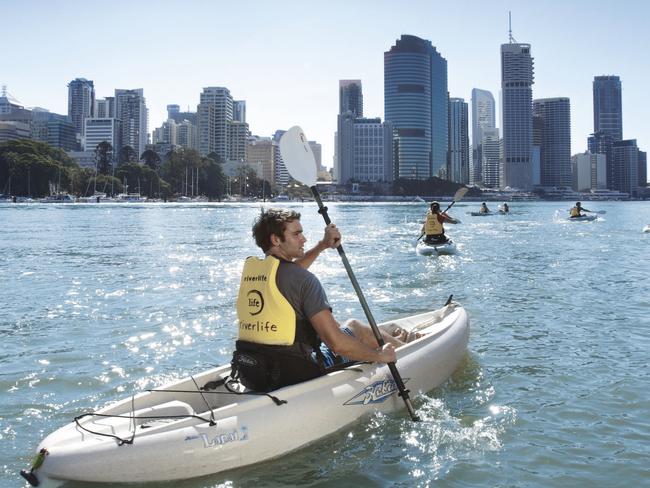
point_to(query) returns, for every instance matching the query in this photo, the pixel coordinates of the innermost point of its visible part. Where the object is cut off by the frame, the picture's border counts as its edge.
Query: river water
(101, 301)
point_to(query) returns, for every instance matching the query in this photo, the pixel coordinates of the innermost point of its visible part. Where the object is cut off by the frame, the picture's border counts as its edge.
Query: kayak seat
(173, 410)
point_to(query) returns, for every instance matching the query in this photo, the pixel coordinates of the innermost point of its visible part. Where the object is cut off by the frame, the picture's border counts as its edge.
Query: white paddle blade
(297, 156)
(460, 193)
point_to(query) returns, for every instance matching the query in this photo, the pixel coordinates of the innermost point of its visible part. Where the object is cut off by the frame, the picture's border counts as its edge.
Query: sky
(285, 58)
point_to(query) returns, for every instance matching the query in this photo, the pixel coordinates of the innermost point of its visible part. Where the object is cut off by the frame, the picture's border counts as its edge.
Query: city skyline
(287, 62)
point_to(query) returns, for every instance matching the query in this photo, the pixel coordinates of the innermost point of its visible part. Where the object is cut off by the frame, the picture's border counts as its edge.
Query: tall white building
(166, 133)
(458, 141)
(589, 171)
(491, 155)
(131, 110)
(483, 117)
(103, 129)
(317, 149)
(281, 175)
(186, 135)
(215, 112)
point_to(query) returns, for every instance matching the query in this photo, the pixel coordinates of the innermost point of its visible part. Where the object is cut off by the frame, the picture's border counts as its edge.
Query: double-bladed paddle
(458, 196)
(299, 160)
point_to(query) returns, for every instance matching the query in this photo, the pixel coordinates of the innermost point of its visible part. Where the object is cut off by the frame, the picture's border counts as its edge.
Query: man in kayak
(505, 208)
(484, 208)
(577, 210)
(284, 315)
(433, 228)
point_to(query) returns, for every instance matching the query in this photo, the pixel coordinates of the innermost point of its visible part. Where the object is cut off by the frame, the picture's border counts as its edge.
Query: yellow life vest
(264, 315)
(431, 225)
(575, 212)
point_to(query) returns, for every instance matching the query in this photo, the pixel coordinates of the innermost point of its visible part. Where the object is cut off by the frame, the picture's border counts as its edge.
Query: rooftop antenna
(510, 38)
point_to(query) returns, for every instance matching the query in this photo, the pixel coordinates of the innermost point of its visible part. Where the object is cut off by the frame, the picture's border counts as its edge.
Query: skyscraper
(483, 117)
(215, 112)
(105, 107)
(608, 110)
(103, 129)
(625, 167)
(555, 149)
(350, 97)
(608, 120)
(490, 153)
(458, 141)
(416, 104)
(239, 110)
(364, 150)
(81, 102)
(172, 110)
(131, 110)
(643, 169)
(363, 145)
(588, 171)
(517, 121)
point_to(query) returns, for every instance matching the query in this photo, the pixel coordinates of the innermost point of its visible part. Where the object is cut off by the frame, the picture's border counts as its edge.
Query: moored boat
(96, 197)
(205, 424)
(58, 198)
(130, 198)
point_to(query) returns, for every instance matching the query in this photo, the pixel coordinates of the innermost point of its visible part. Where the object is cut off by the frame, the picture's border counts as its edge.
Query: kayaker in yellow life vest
(577, 209)
(484, 208)
(284, 316)
(433, 229)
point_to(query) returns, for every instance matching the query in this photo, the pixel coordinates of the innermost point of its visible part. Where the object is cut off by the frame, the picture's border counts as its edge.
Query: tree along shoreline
(35, 169)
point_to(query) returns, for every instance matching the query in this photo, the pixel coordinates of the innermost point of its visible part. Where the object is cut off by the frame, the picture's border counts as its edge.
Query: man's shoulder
(295, 270)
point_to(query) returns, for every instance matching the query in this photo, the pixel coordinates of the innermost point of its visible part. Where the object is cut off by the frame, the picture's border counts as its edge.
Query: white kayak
(583, 218)
(179, 431)
(646, 228)
(430, 249)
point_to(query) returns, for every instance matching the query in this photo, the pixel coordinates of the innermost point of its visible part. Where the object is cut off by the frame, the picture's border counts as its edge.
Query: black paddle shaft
(445, 210)
(403, 392)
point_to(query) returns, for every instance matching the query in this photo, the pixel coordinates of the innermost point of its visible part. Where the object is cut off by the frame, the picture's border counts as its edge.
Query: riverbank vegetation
(35, 169)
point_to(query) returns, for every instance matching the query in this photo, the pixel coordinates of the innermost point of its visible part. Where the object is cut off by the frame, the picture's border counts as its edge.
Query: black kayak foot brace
(30, 477)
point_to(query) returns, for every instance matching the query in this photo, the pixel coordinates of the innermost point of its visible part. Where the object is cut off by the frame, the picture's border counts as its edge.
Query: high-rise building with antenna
(517, 118)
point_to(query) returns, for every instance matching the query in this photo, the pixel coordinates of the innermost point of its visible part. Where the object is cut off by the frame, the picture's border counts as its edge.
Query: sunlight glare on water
(103, 301)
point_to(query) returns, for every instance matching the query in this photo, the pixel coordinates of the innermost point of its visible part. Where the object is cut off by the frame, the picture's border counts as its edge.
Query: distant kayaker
(284, 315)
(433, 229)
(484, 208)
(505, 208)
(577, 210)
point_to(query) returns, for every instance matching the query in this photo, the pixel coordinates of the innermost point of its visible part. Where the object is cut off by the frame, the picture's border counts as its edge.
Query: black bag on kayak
(265, 368)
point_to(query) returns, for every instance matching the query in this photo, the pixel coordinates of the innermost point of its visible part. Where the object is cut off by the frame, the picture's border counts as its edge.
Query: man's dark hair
(269, 222)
